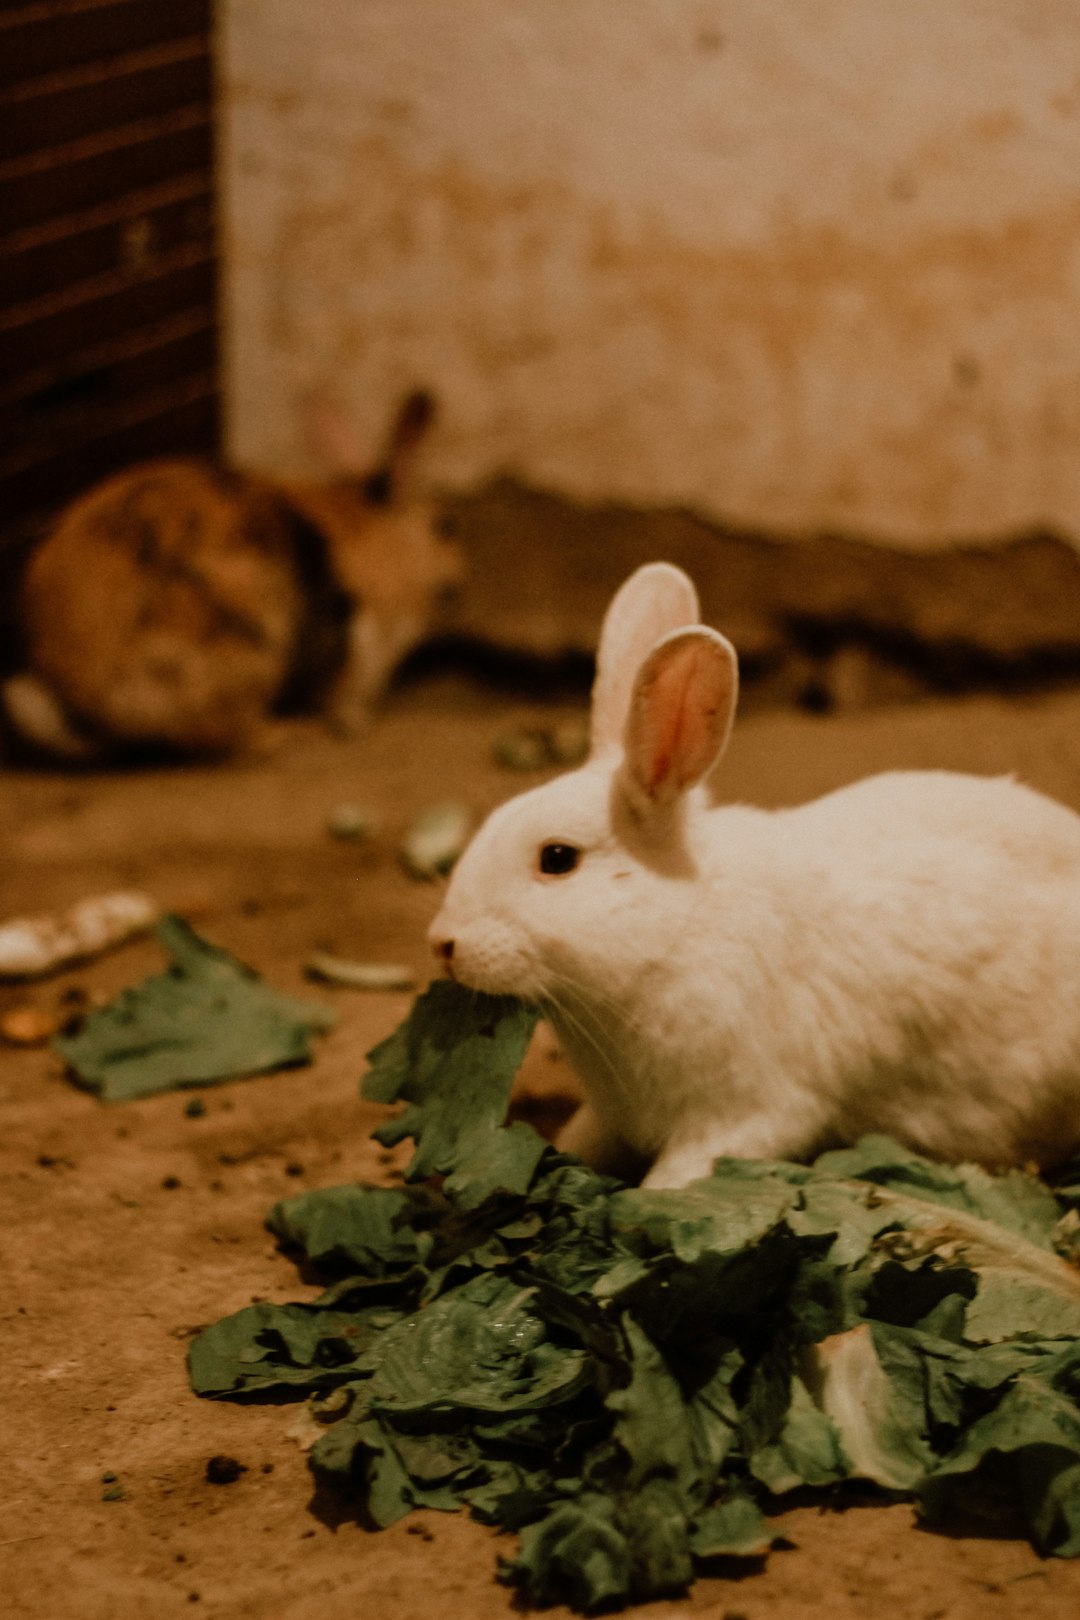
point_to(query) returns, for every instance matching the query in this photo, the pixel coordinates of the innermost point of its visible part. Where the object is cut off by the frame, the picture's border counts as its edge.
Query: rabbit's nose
(444, 950)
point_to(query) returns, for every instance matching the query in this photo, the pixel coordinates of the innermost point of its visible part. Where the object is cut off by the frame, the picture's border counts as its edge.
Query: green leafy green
(453, 1061)
(207, 1018)
(629, 1377)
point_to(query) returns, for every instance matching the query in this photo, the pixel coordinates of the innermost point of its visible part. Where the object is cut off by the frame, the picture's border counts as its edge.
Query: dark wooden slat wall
(108, 343)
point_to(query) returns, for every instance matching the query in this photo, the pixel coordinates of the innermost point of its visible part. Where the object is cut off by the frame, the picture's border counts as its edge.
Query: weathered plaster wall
(796, 265)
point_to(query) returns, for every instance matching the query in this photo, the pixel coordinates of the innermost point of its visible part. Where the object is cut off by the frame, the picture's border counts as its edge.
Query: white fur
(902, 955)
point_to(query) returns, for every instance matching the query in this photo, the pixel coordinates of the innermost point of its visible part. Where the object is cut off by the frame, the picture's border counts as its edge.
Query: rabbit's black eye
(558, 859)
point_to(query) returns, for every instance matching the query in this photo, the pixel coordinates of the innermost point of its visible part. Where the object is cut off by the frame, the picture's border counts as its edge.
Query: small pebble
(108, 1477)
(28, 1026)
(170, 1183)
(74, 1005)
(537, 748)
(436, 839)
(113, 1493)
(569, 743)
(523, 749)
(222, 1470)
(350, 821)
(195, 1109)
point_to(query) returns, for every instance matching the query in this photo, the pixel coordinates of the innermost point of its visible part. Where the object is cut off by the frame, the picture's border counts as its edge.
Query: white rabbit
(902, 955)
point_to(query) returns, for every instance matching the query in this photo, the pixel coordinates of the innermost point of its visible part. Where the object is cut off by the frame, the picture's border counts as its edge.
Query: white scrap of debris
(31, 947)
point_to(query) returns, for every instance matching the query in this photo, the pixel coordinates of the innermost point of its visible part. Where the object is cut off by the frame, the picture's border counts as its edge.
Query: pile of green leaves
(629, 1377)
(207, 1018)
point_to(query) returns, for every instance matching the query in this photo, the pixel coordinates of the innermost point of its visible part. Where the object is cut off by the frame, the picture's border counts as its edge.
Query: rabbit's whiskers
(571, 1007)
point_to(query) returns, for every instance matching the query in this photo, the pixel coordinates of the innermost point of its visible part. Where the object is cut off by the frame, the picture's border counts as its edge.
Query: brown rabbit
(177, 606)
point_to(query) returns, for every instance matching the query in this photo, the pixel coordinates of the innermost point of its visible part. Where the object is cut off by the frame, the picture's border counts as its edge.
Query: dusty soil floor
(126, 1227)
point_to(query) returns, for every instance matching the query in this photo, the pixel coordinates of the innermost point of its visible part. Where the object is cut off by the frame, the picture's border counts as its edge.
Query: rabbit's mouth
(490, 957)
(488, 979)
(491, 971)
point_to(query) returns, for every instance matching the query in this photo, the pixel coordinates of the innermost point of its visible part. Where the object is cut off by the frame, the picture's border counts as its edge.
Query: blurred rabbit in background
(178, 606)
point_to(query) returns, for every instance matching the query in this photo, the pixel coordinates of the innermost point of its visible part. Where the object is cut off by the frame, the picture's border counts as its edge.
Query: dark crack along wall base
(831, 622)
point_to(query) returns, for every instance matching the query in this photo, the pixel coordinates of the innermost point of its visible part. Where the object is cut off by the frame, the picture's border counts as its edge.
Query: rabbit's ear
(335, 441)
(653, 601)
(681, 711)
(395, 473)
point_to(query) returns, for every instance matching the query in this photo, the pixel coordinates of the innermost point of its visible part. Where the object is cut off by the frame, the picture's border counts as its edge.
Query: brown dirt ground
(125, 1227)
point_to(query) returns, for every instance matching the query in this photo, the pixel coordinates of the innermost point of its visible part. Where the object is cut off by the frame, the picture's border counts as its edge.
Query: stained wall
(798, 266)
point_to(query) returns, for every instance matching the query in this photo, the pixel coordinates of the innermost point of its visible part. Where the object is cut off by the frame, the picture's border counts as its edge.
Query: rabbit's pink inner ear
(335, 441)
(333, 438)
(681, 712)
(655, 599)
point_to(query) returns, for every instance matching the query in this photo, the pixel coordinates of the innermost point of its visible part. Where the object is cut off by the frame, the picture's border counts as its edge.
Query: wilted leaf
(373, 1230)
(733, 1528)
(879, 1421)
(207, 1018)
